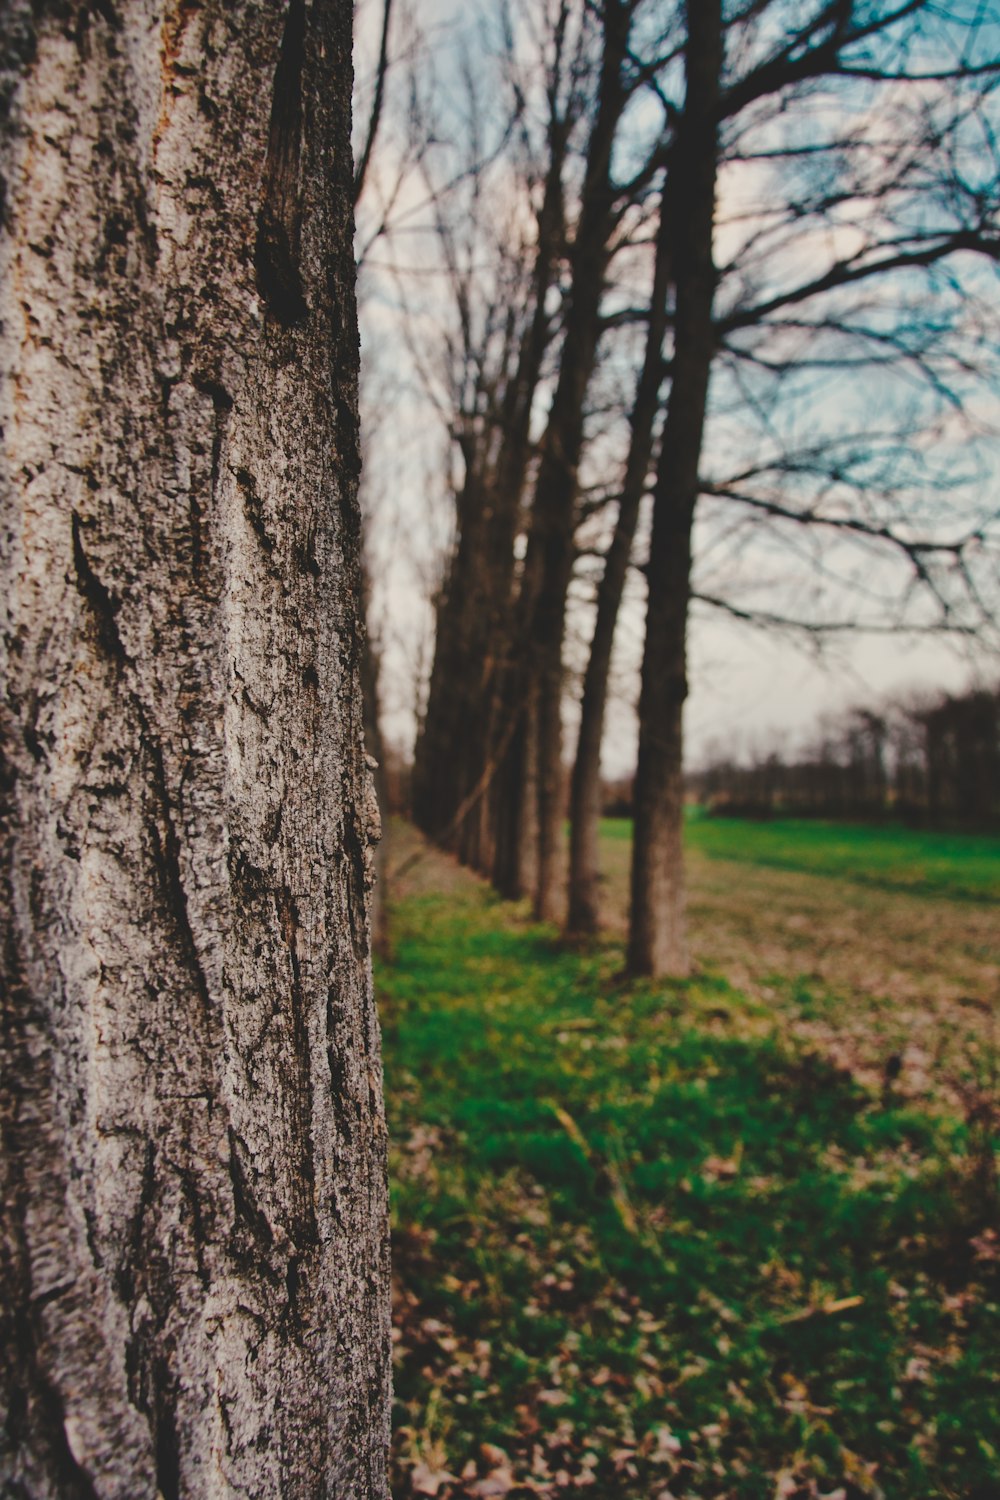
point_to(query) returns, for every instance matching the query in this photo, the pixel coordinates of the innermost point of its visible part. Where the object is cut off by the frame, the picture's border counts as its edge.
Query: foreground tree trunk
(657, 930)
(193, 1247)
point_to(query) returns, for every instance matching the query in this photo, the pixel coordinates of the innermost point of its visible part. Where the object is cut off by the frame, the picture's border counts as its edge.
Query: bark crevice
(279, 276)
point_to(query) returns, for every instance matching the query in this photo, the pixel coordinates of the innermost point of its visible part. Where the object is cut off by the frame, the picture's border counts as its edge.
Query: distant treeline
(934, 761)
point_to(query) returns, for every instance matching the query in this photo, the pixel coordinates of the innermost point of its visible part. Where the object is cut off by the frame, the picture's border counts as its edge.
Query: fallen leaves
(826, 1309)
(499, 1478)
(723, 1168)
(426, 1480)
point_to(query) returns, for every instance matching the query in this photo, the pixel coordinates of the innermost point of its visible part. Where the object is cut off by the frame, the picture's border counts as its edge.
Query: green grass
(645, 1242)
(957, 866)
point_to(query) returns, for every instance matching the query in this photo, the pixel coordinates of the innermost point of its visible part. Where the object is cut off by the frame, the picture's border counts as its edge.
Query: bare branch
(375, 116)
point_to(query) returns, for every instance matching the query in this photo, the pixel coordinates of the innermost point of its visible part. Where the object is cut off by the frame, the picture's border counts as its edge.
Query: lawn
(888, 856)
(699, 1239)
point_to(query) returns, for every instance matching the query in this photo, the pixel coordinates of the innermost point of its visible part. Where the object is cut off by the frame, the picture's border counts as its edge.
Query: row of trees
(712, 308)
(936, 760)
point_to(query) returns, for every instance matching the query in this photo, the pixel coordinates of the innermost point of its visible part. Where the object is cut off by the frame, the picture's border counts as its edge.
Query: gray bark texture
(193, 1232)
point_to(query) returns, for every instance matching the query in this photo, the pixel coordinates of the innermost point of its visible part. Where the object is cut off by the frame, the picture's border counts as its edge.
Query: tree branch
(376, 110)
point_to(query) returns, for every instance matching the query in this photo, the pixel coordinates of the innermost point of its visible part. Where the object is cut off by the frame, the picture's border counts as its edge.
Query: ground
(731, 1237)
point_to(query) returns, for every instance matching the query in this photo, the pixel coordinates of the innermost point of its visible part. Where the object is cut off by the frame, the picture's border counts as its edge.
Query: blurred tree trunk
(467, 735)
(495, 736)
(193, 1233)
(585, 788)
(556, 489)
(370, 673)
(511, 794)
(496, 688)
(657, 930)
(441, 768)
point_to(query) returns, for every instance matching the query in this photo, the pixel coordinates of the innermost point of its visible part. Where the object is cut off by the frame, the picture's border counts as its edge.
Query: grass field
(731, 1237)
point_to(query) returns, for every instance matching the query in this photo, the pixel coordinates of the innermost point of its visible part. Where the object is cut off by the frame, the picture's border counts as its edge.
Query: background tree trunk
(657, 929)
(469, 723)
(583, 906)
(556, 488)
(193, 1233)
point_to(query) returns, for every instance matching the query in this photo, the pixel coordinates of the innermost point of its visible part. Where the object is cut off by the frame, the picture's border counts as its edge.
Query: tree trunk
(585, 787)
(443, 768)
(512, 797)
(657, 931)
(556, 489)
(193, 1232)
(471, 702)
(370, 674)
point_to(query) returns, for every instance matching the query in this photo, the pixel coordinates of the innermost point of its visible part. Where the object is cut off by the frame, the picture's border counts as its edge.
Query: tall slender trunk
(193, 1229)
(441, 771)
(515, 799)
(585, 787)
(657, 932)
(556, 489)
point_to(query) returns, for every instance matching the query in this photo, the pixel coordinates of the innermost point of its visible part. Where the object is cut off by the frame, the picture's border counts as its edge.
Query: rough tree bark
(193, 1248)
(657, 929)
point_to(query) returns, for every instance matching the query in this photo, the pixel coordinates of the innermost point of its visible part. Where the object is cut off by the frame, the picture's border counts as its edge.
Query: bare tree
(509, 639)
(193, 1233)
(549, 560)
(503, 329)
(917, 198)
(656, 930)
(585, 792)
